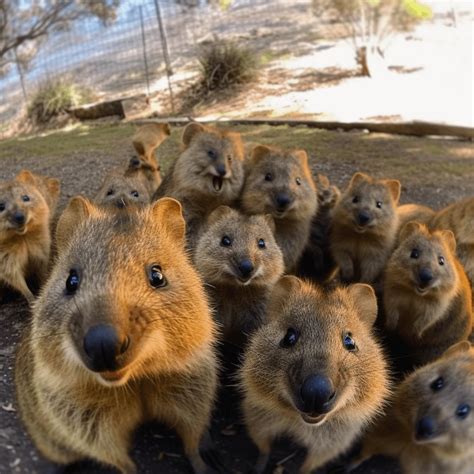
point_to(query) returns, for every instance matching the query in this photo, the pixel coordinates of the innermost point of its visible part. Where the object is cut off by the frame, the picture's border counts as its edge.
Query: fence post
(145, 60)
(22, 77)
(164, 46)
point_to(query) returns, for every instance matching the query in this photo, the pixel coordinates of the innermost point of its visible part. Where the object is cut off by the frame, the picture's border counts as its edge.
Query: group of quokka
(322, 294)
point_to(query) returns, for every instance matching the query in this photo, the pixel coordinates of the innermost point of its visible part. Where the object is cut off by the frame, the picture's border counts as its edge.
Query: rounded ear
(259, 152)
(450, 240)
(394, 187)
(218, 213)
(322, 180)
(410, 228)
(168, 212)
(365, 302)
(302, 156)
(285, 286)
(165, 128)
(463, 346)
(237, 144)
(78, 209)
(270, 222)
(190, 132)
(26, 177)
(53, 186)
(359, 178)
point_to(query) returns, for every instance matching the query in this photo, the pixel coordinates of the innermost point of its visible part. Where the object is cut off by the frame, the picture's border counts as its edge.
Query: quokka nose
(282, 200)
(120, 203)
(425, 275)
(19, 218)
(135, 162)
(425, 428)
(103, 345)
(220, 168)
(364, 217)
(245, 268)
(317, 392)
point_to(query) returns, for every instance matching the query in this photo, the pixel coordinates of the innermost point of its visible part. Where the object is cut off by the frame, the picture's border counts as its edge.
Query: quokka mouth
(313, 419)
(217, 183)
(113, 377)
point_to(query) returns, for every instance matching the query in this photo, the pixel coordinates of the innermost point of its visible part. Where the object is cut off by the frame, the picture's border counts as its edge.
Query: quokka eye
(110, 192)
(156, 277)
(135, 194)
(298, 181)
(463, 411)
(441, 260)
(355, 199)
(290, 339)
(211, 154)
(261, 244)
(415, 253)
(225, 241)
(25, 198)
(348, 342)
(229, 158)
(72, 282)
(437, 384)
(268, 177)
(379, 204)
(2, 206)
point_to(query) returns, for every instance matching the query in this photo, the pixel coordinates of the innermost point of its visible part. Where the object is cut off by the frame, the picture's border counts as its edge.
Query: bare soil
(433, 172)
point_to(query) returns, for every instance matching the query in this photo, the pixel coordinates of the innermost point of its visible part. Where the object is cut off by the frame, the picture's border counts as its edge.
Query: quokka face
(121, 192)
(436, 402)
(316, 355)
(424, 260)
(238, 250)
(212, 163)
(328, 194)
(279, 183)
(369, 204)
(116, 303)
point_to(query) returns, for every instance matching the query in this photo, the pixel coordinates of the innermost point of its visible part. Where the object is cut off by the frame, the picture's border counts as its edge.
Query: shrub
(55, 97)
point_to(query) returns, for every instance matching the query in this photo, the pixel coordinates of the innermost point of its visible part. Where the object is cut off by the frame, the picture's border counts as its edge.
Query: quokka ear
(282, 289)
(394, 187)
(365, 302)
(27, 177)
(459, 347)
(410, 228)
(53, 186)
(450, 239)
(259, 152)
(359, 178)
(78, 210)
(302, 157)
(218, 213)
(190, 132)
(165, 129)
(168, 213)
(322, 181)
(237, 145)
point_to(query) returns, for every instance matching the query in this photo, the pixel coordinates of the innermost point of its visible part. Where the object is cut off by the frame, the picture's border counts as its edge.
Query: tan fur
(193, 179)
(432, 317)
(272, 374)
(239, 302)
(259, 196)
(361, 252)
(413, 212)
(121, 192)
(451, 450)
(166, 372)
(25, 249)
(459, 218)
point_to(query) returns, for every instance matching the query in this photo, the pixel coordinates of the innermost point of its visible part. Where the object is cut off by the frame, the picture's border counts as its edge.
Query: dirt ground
(434, 172)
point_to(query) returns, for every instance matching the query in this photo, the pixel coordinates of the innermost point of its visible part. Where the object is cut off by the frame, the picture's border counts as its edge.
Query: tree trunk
(371, 62)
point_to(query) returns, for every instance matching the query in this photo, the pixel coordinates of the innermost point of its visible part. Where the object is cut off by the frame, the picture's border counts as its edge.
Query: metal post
(144, 51)
(164, 46)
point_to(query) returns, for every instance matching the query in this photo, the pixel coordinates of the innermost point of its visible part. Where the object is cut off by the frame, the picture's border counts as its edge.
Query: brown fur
(239, 302)
(193, 179)
(459, 218)
(317, 262)
(432, 317)
(272, 374)
(25, 249)
(259, 196)
(361, 252)
(122, 192)
(168, 369)
(451, 450)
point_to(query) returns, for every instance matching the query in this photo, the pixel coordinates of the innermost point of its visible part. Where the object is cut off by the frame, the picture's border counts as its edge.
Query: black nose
(103, 345)
(120, 203)
(364, 217)
(135, 162)
(283, 201)
(220, 168)
(317, 392)
(425, 428)
(425, 275)
(245, 268)
(19, 218)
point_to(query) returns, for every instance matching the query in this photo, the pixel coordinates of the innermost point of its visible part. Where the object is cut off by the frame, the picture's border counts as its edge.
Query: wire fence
(151, 42)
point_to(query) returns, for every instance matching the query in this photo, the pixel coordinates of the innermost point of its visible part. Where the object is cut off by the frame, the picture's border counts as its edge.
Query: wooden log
(98, 110)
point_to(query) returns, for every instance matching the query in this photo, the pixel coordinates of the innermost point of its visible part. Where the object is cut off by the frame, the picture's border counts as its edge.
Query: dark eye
(2, 207)
(229, 158)
(463, 411)
(135, 194)
(437, 385)
(211, 154)
(379, 204)
(72, 282)
(349, 342)
(290, 339)
(110, 192)
(298, 181)
(355, 199)
(415, 253)
(226, 242)
(268, 177)
(25, 198)
(441, 260)
(261, 244)
(157, 279)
